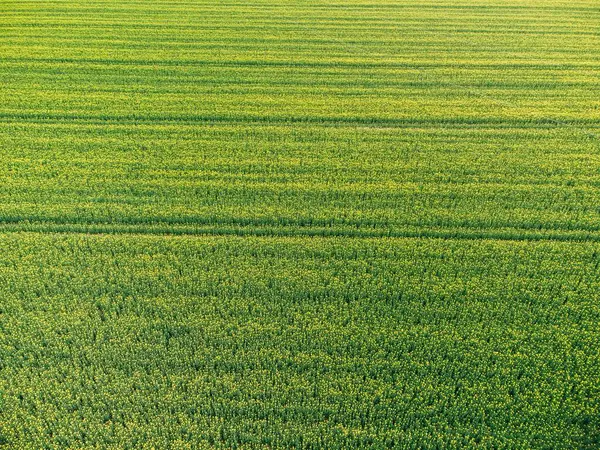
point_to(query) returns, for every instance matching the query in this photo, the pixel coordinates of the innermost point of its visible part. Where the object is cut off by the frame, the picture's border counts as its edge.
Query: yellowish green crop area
(300, 224)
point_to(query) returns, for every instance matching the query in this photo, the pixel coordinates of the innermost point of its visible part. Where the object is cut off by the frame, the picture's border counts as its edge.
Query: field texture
(309, 224)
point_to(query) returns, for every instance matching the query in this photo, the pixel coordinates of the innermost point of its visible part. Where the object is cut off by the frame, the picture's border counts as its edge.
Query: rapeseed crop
(303, 224)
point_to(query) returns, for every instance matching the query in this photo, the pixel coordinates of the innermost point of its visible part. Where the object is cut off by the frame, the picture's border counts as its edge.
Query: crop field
(300, 224)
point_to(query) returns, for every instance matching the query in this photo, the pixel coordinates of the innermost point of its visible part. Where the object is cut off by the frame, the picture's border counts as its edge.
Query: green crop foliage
(300, 224)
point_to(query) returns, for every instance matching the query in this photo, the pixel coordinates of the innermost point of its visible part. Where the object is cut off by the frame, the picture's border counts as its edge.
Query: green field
(300, 224)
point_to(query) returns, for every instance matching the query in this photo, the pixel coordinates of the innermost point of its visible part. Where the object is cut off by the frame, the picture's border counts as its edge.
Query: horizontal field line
(201, 38)
(316, 64)
(283, 222)
(335, 120)
(165, 230)
(161, 7)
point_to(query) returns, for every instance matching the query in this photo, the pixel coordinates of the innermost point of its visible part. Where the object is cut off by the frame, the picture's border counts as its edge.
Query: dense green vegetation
(307, 224)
